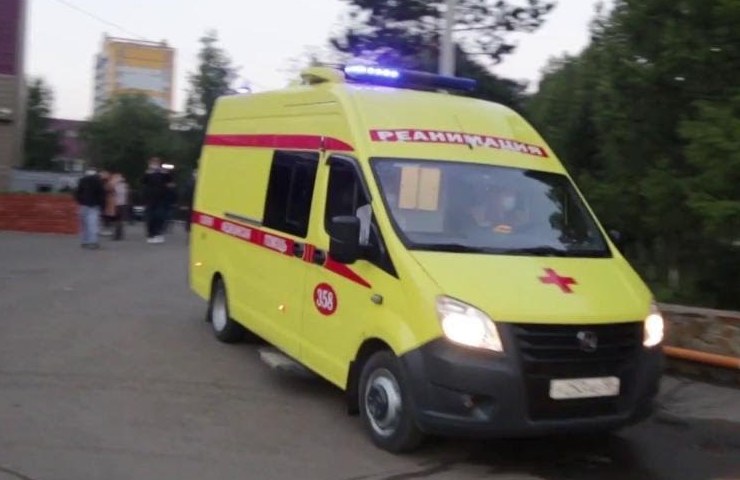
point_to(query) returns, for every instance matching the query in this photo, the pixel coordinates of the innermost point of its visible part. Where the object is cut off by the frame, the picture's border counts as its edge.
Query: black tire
(396, 433)
(224, 327)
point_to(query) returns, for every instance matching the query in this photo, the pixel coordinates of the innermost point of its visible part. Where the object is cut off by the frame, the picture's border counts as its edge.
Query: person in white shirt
(121, 194)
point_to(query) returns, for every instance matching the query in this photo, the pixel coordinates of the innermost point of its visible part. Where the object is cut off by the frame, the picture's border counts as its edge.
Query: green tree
(407, 34)
(713, 150)
(213, 78)
(41, 143)
(491, 87)
(127, 132)
(713, 153)
(563, 110)
(646, 118)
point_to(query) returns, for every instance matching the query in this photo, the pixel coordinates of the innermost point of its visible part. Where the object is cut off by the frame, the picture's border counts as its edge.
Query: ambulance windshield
(476, 208)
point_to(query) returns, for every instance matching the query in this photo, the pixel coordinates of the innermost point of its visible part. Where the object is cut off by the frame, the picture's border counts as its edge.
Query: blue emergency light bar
(395, 77)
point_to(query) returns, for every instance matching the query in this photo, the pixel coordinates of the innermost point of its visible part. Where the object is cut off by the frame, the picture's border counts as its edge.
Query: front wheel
(385, 407)
(225, 329)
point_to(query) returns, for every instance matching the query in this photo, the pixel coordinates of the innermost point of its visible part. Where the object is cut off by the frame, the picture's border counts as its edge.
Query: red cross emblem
(563, 282)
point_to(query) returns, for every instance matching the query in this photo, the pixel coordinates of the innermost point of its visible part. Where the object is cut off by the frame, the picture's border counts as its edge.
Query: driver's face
(504, 200)
(498, 206)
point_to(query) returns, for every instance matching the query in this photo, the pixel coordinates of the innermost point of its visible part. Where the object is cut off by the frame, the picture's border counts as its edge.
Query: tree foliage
(647, 119)
(127, 132)
(130, 128)
(408, 31)
(713, 146)
(407, 34)
(41, 143)
(213, 78)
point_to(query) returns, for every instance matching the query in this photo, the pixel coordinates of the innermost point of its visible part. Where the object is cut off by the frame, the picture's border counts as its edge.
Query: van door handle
(319, 257)
(299, 249)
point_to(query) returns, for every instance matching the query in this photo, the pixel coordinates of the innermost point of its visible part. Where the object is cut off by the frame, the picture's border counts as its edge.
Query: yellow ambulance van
(424, 251)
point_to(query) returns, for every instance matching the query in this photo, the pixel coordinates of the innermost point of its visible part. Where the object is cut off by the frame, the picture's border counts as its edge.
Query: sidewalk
(682, 399)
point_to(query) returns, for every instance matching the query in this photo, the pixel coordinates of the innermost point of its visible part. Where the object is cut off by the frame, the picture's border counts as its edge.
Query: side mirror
(344, 246)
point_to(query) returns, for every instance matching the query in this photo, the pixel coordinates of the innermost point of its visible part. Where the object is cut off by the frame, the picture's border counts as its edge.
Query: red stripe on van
(296, 142)
(343, 270)
(246, 233)
(271, 241)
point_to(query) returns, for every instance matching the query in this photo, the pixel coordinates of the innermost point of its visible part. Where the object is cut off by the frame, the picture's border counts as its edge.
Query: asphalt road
(108, 371)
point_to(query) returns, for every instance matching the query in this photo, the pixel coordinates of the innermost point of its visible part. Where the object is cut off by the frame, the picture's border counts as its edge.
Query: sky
(265, 39)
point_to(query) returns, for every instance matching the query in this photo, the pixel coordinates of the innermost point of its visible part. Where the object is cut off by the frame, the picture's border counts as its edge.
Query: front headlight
(466, 325)
(653, 327)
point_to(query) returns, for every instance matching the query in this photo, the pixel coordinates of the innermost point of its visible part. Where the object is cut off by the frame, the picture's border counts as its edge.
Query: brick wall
(704, 330)
(38, 213)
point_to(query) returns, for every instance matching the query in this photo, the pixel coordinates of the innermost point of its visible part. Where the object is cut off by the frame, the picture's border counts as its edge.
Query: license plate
(567, 388)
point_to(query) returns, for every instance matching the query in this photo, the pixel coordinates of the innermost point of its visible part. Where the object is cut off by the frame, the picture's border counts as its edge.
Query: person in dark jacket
(170, 206)
(90, 196)
(157, 183)
(189, 198)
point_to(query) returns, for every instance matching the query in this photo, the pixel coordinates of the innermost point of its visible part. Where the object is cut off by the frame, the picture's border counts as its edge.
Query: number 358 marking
(325, 299)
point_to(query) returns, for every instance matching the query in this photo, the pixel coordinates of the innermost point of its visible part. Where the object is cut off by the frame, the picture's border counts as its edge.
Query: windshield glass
(465, 207)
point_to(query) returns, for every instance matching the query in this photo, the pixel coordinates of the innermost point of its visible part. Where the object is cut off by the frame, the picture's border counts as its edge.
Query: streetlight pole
(447, 50)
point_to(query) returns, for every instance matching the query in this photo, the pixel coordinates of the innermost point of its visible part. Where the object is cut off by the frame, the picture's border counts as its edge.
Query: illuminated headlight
(467, 325)
(653, 327)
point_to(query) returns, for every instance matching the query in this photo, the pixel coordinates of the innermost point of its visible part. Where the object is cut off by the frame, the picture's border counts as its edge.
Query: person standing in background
(156, 183)
(188, 199)
(120, 188)
(109, 207)
(90, 196)
(170, 205)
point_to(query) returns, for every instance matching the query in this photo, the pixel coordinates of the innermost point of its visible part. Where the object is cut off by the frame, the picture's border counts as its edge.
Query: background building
(134, 66)
(12, 86)
(69, 164)
(71, 158)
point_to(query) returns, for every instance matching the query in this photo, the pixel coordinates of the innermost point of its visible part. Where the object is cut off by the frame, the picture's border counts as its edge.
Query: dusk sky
(264, 39)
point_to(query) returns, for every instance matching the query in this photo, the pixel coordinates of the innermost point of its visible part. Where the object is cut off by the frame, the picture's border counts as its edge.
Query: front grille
(554, 351)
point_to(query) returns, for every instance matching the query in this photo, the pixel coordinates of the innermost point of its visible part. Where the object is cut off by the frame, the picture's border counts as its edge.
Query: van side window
(346, 196)
(289, 192)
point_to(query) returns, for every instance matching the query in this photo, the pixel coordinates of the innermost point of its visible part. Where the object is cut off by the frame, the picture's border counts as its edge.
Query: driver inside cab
(498, 209)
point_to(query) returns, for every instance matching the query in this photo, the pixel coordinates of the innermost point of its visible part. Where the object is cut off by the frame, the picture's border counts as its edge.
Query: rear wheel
(385, 407)
(225, 329)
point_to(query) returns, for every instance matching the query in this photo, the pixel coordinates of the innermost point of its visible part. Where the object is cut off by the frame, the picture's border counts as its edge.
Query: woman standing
(120, 196)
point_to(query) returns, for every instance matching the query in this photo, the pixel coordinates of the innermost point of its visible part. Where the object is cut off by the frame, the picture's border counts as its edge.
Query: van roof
(403, 123)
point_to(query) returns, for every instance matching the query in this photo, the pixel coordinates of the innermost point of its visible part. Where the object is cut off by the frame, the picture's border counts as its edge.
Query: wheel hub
(219, 315)
(383, 402)
(377, 403)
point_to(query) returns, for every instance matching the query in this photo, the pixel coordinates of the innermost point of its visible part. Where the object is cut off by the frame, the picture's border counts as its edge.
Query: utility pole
(447, 50)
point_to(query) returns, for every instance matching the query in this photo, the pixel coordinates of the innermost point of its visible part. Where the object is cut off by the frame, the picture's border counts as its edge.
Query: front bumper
(458, 391)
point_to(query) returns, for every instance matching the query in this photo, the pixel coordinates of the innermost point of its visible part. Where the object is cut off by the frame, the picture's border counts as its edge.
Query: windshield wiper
(542, 251)
(547, 251)
(583, 252)
(449, 247)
